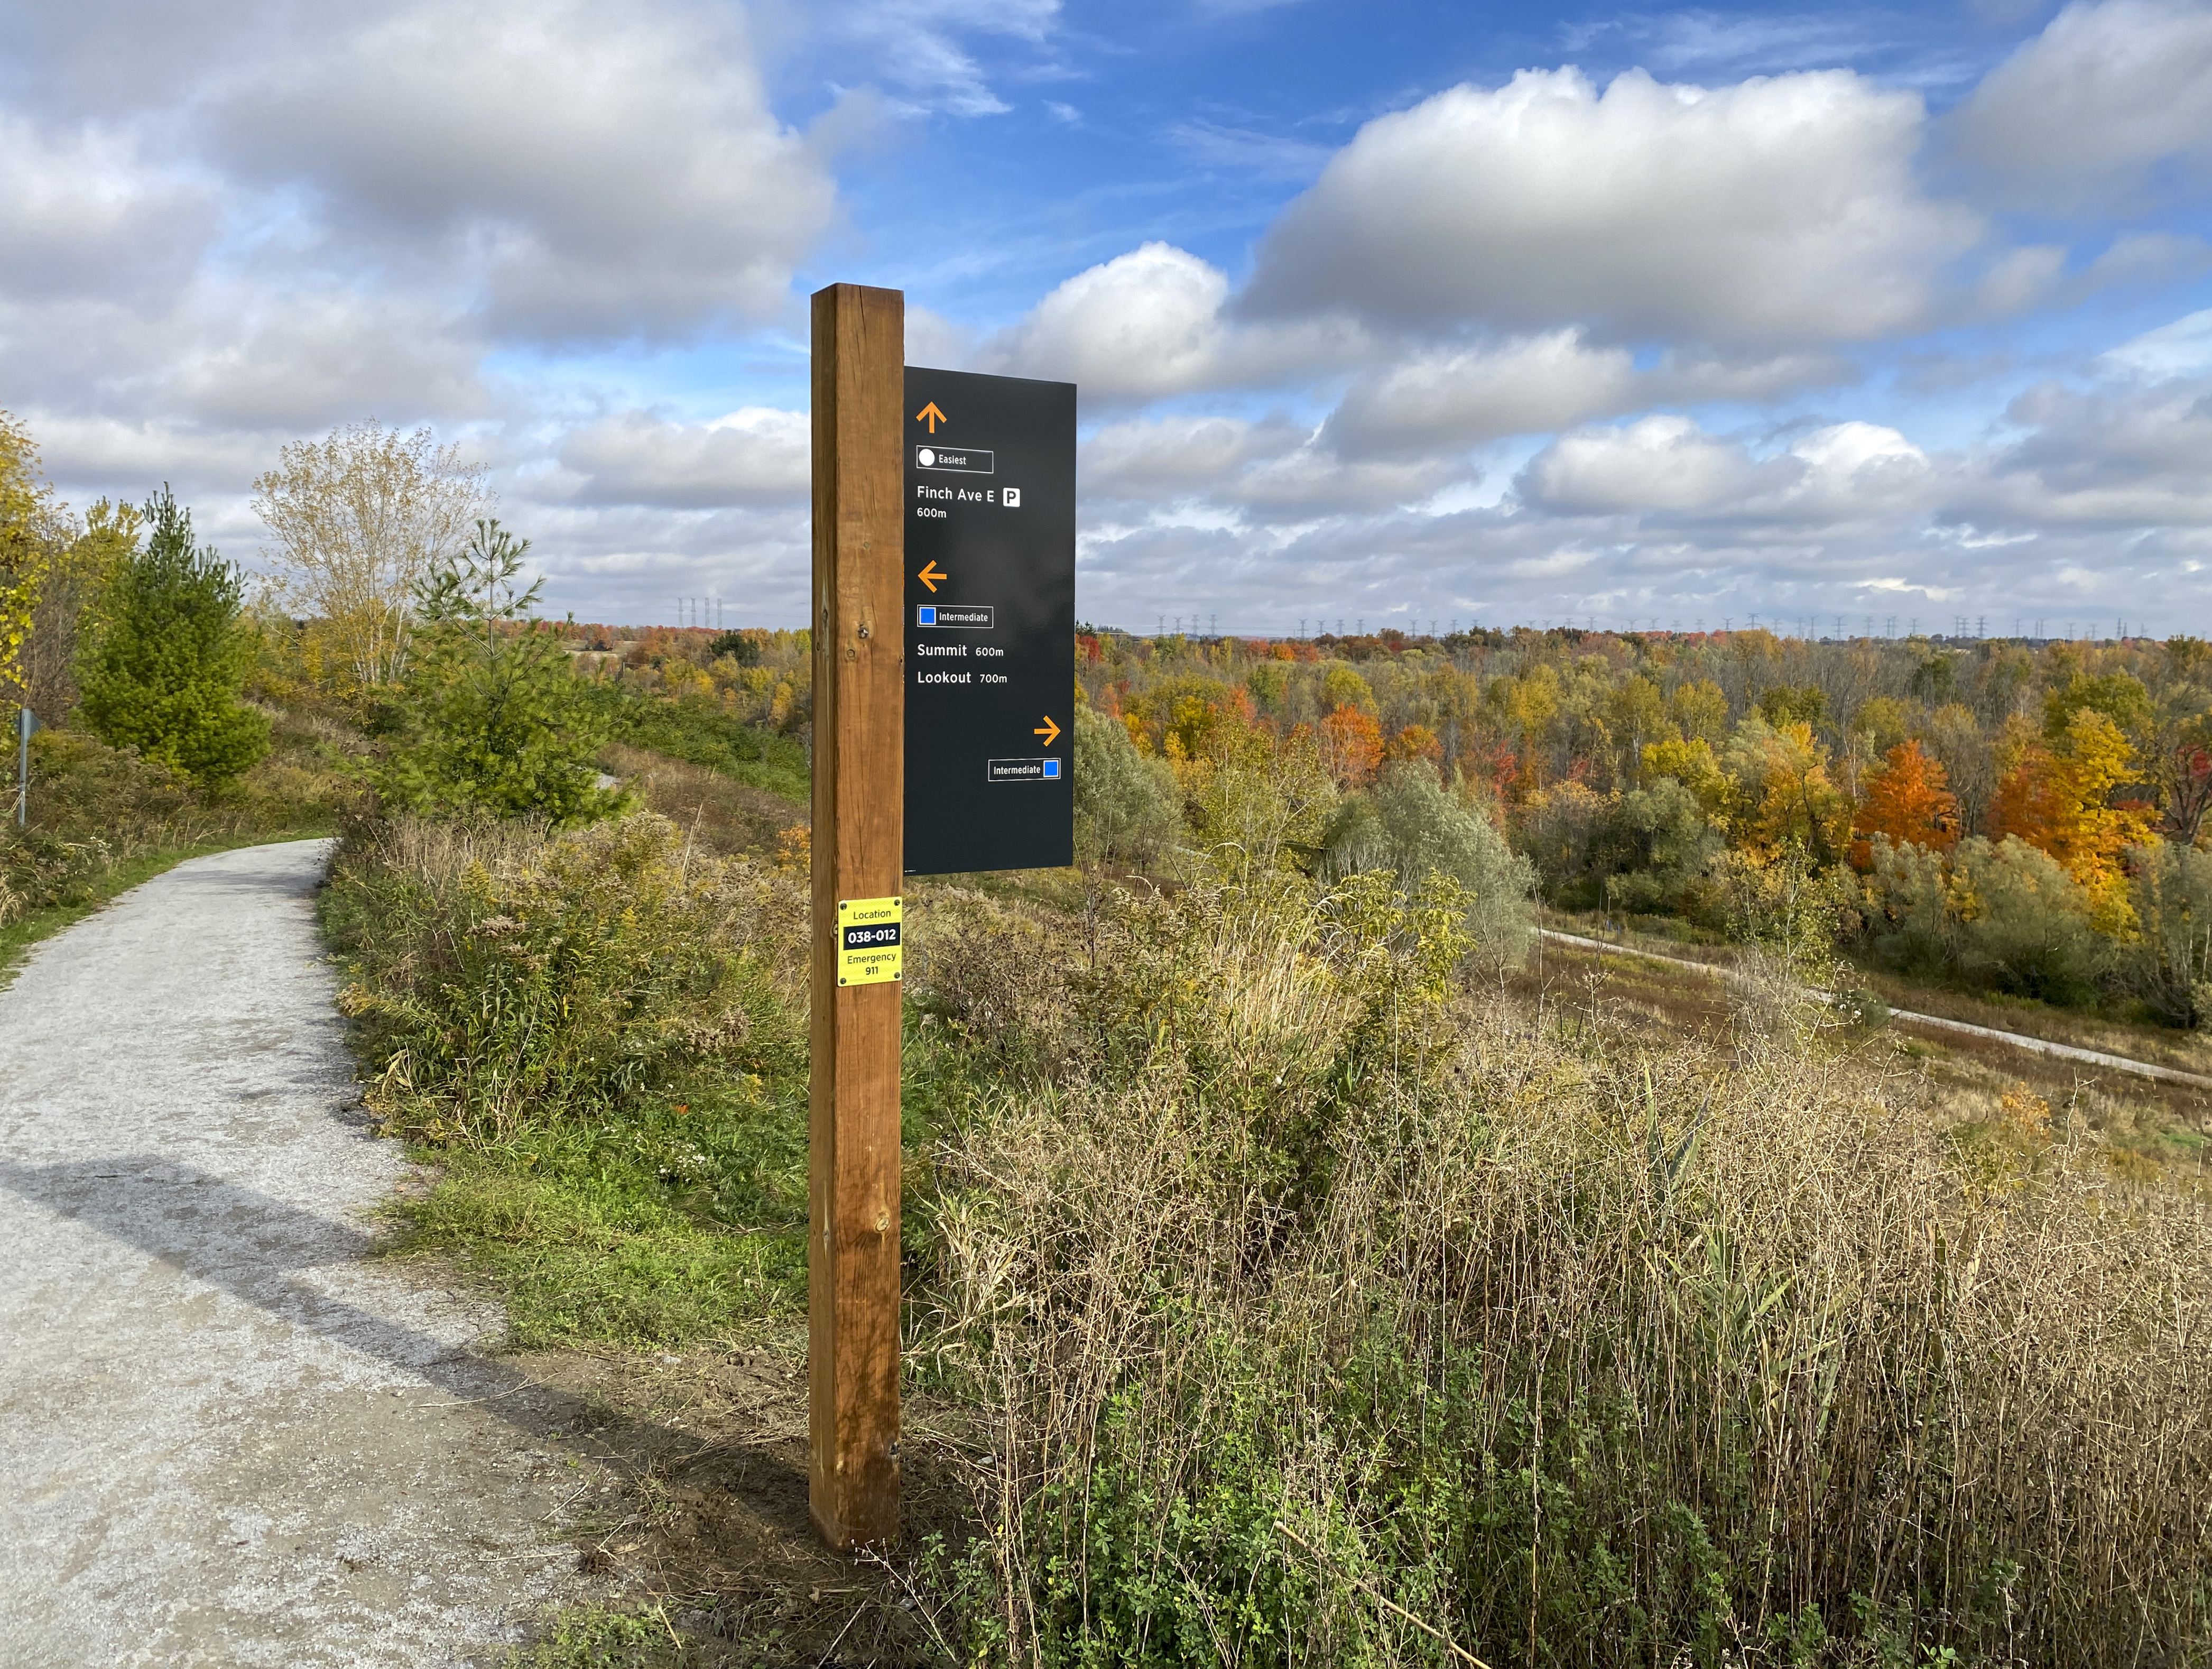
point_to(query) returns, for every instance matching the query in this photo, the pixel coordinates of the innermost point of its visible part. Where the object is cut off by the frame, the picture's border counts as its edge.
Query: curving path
(225, 1438)
(2171, 1074)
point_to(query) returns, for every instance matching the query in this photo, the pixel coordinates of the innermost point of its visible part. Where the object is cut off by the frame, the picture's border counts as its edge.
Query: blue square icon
(925, 614)
(1051, 769)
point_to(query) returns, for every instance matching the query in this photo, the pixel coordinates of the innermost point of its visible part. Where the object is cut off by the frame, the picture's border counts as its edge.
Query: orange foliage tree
(1906, 801)
(1414, 742)
(2059, 799)
(1351, 746)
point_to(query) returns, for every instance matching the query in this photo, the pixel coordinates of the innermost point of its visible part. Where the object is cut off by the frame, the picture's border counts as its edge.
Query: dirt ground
(707, 1517)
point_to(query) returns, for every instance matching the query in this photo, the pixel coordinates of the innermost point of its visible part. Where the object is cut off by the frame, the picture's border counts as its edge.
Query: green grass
(35, 925)
(606, 1637)
(700, 733)
(665, 1221)
(678, 1218)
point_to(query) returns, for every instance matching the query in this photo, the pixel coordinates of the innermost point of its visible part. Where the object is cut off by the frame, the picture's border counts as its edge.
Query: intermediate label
(868, 948)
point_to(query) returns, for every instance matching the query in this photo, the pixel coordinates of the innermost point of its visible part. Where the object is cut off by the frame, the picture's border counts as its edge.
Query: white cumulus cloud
(2104, 99)
(1153, 322)
(1783, 210)
(603, 170)
(756, 455)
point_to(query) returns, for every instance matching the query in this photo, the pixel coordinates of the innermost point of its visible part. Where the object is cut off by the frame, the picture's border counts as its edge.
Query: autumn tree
(2175, 748)
(1638, 717)
(1351, 743)
(362, 518)
(1783, 795)
(1953, 737)
(1908, 802)
(2060, 798)
(1413, 741)
(34, 528)
(1701, 710)
(2119, 697)
(74, 597)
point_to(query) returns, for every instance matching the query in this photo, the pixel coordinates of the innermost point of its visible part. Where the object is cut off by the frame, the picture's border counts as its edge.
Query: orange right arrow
(930, 415)
(1048, 730)
(930, 576)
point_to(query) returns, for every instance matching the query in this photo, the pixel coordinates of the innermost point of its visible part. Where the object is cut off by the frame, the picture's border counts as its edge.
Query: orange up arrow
(930, 576)
(1048, 730)
(930, 415)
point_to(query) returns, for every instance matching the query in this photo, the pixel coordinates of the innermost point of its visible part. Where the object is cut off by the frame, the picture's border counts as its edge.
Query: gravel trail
(226, 1437)
(2173, 1075)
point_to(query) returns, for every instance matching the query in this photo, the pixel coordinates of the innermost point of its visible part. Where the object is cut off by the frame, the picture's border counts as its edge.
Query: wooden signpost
(859, 778)
(981, 471)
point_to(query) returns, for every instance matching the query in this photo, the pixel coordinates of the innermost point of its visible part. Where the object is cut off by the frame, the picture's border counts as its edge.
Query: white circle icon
(926, 457)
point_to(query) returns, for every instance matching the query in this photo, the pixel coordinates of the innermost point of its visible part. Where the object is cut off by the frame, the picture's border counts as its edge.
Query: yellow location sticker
(868, 951)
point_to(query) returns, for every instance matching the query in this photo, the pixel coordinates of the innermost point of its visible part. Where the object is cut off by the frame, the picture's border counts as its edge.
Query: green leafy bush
(1997, 914)
(1662, 850)
(1409, 823)
(502, 981)
(602, 1034)
(2170, 967)
(2026, 927)
(1127, 806)
(1913, 923)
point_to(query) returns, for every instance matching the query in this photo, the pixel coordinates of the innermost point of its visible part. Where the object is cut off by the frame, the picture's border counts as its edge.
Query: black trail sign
(990, 623)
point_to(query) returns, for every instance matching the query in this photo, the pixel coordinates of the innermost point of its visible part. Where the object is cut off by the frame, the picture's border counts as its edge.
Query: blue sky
(1380, 312)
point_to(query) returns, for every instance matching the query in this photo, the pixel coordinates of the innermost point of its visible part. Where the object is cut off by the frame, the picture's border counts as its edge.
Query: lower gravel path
(227, 1437)
(2171, 1074)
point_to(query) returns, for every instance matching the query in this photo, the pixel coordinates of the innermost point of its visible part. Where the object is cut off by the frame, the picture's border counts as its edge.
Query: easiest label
(869, 952)
(959, 460)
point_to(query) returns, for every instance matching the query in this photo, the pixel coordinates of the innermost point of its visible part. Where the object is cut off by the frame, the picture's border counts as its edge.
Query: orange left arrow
(930, 576)
(930, 415)
(1048, 730)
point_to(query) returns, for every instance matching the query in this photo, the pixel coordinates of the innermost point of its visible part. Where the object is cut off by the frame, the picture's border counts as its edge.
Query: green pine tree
(493, 716)
(165, 671)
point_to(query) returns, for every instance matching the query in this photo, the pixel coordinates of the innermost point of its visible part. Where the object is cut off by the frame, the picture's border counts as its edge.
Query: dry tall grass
(1327, 1313)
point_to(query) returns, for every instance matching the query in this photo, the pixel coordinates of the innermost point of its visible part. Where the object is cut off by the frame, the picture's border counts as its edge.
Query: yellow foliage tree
(1693, 763)
(33, 529)
(1701, 710)
(1783, 794)
(360, 518)
(71, 605)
